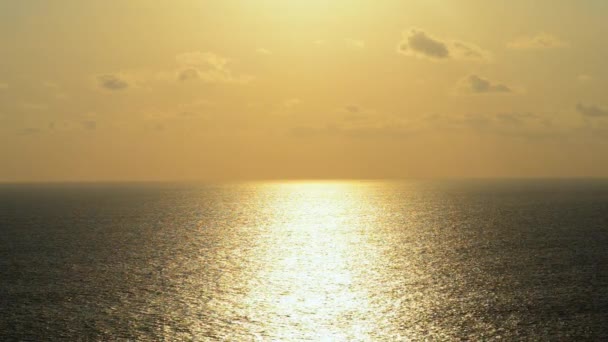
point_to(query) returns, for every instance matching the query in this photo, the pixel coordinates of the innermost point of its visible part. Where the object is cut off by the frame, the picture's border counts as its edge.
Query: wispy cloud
(537, 42)
(208, 67)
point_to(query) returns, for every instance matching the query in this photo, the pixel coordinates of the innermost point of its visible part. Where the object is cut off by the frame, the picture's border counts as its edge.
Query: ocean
(305, 261)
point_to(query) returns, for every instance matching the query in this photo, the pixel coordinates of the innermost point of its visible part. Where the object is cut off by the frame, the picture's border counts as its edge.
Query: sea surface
(305, 261)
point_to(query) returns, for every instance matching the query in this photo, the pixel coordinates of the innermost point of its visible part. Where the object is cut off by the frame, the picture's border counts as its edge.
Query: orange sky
(277, 89)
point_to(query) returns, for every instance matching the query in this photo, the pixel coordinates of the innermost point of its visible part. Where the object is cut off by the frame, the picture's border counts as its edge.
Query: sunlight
(309, 282)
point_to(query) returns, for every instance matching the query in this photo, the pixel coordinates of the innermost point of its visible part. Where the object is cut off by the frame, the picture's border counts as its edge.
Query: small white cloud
(539, 41)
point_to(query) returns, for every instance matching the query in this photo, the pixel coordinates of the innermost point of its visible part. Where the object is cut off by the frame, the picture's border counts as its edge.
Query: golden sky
(300, 89)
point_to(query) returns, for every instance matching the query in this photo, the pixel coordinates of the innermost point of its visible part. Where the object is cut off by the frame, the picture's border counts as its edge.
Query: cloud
(112, 82)
(195, 59)
(462, 50)
(474, 84)
(420, 44)
(208, 67)
(355, 43)
(188, 75)
(592, 111)
(537, 42)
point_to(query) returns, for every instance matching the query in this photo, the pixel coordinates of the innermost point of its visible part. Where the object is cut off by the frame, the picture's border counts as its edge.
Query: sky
(139, 90)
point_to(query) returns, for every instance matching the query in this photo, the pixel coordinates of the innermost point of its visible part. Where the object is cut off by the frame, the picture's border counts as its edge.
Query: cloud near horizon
(591, 110)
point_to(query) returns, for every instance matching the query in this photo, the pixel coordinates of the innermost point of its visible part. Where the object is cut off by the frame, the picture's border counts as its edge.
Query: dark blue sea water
(332, 261)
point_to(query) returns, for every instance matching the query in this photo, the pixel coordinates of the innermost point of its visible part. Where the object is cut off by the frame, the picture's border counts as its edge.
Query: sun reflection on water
(314, 256)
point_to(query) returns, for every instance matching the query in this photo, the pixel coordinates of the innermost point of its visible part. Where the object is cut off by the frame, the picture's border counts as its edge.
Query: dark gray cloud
(477, 85)
(112, 82)
(419, 43)
(188, 75)
(591, 110)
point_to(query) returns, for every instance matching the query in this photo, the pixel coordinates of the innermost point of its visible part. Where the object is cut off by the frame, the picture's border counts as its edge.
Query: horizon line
(291, 180)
